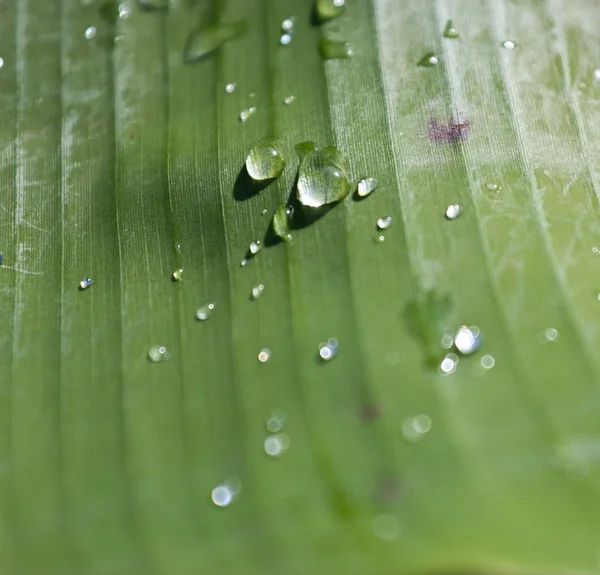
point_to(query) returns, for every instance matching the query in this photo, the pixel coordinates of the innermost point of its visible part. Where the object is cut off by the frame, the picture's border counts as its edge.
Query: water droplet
(488, 361)
(597, 73)
(158, 353)
(282, 219)
(276, 420)
(384, 223)
(508, 44)
(264, 162)
(85, 283)
(447, 341)
(414, 428)
(119, 39)
(450, 31)
(90, 32)
(493, 187)
(208, 38)
(452, 211)
(124, 11)
(596, 250)
(467, 339)
(244, 263)
(245, 115)
(429, 60)
(449, 363)
(275, 445)
(264, 355)
(222, 496)
(177, 275)
(255, 247)
(230, 88)
(328, 349)
(285, 39)
(366, 186)
(321, 176)
(386, 527)
(333, 49)
(290, 100)
(551, 334)
(234, 485)
(328, 9)
(380, 239)
(288, 24)
(204, 312)
(257, 291)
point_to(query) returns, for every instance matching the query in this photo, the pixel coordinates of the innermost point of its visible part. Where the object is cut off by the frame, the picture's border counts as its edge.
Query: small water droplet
(329, 9)
(467, 339)
(493, 187)
(208, 38)
(289, 100)
(366, 186)
(85, 283)
(257, 291)
(255, 247)
(596, 250)
(551, 334)
(246, 114)
(321, 176)
(276, 420)
(414, 428)
(244, 263)
(288, 24)
(429, 60)
(177, 275)
(452, 211)
(119, 39)
(204, 312)
(450, 31)
(380, 239)
(285, 39)
(275, 445)
(281, 223)
(124, 11)
(264, 355)
(222, 496)
(509, 44)
(447, 341)
(328, 349)
(333, 49)
(449, 364)
(384, 223)
(264, 162)
(488, 361)
(230, 88)
(234, 485)
(90, 32)
(158, 353)
(386, 527)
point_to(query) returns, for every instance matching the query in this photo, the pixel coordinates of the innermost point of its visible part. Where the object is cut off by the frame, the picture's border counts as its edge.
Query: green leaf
(123, 163)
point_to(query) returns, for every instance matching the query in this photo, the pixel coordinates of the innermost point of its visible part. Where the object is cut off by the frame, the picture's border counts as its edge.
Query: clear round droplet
(488, 361)
(449, 364)
(178, 275)
(204, 312)
(551, 334)
(257, 291)
(230, 88)
(384, 223)
(264, 162)
(255, 247)
(429, 60)
(366, 186)
(275, 445)
(285, 39)
(288, 24)
(508, 44)
(222, 496)
(85, 283)
(447, 341)
(244, 263)
(158, 353)
(90, 32)
(452, 211)
(290, 100)
(413, 428)
(380, 239)
(264, 355)
(467, 339)
(328, 349)
(493, 187)
(276, 421)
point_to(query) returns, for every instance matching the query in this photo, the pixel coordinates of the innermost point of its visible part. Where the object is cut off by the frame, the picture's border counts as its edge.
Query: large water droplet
(429, 60)
(208, 38)
(333, 49)
(222, 496)
(509, 44)
(264, 162)
(85, 283)
(321, 176)
(450, 31)
(204, 312)
(467, 339)
(452, 211)
(282, 219)
(366, 186)
(328, 9)
(158, 353)
(255, 247)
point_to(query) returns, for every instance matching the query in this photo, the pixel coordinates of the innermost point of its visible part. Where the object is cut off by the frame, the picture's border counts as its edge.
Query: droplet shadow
(245, 187)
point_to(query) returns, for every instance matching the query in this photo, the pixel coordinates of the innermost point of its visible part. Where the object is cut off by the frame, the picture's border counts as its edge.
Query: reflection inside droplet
(264, 355)
(222, 496)
(90, 32)
(276, 444)
(487, 362)
(551, 334)
(449, 363)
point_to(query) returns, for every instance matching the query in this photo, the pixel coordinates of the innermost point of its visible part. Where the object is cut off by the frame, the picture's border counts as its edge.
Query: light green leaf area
(123, 163)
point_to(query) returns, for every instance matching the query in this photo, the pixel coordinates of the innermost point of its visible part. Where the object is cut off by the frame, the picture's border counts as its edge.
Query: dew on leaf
(124, 11)
(452, 211)
(84, 283)
(321, 176)
(488, 361)
(264, 355)
(551, 334)
(264, 162)
(282, 219)
(414, 428)
(380, 239)
(290, 100)
(429, 60)
(177, 275)
(493, 187)
(246, 114)
(384, 223)
(222, 496)
(450, 31)
(366, 186)
(467, 339)
(255, 247)
(90, 32)
(329, 9)
(449, 363)
(230, 88)
(208, 38)
(158, 353)
(257, 291)
(204, 312)
(275, 445)
(328, 349)
(509, 44)
(334, 49)
(276, 420)
(285, 39)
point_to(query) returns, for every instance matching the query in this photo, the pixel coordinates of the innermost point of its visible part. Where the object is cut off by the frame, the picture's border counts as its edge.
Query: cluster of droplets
(287, 31)
(276, 442)
(328, 349)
